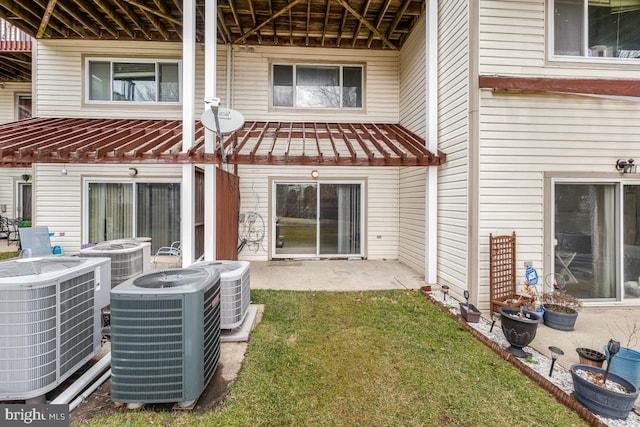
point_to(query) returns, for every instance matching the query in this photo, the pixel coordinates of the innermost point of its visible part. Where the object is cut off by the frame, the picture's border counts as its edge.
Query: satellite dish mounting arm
(214, 104)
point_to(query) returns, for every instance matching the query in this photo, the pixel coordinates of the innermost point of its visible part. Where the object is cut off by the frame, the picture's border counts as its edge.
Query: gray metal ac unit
(235, 290)
(127, 257)
(50, 322)
(165, 335)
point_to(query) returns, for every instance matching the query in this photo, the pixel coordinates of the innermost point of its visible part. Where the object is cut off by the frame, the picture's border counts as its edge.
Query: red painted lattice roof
(69, 140)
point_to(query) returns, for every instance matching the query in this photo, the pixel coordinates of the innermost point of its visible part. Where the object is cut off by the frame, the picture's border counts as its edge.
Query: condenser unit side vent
(235, 290)
(76, 320)
(211, 332)
(127, 258)
(28, 325)
(147, 349)
(49, 321)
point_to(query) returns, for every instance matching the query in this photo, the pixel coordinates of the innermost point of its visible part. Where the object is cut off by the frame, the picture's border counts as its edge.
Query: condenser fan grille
(114, 246)
(171, 278)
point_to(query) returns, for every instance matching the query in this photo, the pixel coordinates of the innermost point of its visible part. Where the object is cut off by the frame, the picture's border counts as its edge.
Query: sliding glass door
(117, 210)
(317, 219)
(597, 239)
(586, 236)
(631, 241)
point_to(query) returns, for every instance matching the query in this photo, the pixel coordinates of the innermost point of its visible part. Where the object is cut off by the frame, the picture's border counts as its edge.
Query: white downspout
(210, 75)
(431, 247)
(230, 68)
(188, 129)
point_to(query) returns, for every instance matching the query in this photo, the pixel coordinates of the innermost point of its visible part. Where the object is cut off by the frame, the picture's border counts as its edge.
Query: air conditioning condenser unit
(165, 336)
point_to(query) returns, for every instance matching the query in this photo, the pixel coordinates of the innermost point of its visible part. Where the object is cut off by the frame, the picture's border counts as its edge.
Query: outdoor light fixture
(626, 166)
(315, 174)
(132, 171)
(3, 208)
(494, 318)
(445, 291)
(63, 171)
(555, 353)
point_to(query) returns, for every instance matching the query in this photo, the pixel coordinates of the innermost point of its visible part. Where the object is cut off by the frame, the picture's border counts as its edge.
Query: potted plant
(612, 400)
(519, 327)
(602, 392)
(589, 356)
(560, 310)
(469, 312)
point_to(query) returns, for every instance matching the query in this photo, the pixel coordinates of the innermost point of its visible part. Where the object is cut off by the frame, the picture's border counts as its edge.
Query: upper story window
(23, 107)
(596, 28)
(317, 86)
(133, 81)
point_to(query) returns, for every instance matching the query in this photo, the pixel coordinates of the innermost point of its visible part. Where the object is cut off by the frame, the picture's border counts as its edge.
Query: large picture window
(118, 210)
(596, 28)
(133, 81)
(317, 86)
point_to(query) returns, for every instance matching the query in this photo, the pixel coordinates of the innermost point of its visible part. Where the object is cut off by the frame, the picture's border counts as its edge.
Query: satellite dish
(229, 120)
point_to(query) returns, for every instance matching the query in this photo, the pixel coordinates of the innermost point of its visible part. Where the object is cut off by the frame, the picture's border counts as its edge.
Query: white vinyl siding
(380, 204)
(413, 98)
(453, 133)
(59, 200)
(413, 85)
(513, 41)
(9, 98)
(411, 249)
(524, 136)
(61, 78)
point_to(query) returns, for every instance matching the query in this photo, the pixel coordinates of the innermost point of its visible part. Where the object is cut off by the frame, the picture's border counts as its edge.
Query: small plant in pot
(601, 392)
(560, 310)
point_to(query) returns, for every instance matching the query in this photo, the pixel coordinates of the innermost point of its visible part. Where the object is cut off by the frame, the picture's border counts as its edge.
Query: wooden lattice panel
(502, 269)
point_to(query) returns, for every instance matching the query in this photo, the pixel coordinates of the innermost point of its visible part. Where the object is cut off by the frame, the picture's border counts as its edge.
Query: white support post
(210, 207)
(431, 209)
(188, 129)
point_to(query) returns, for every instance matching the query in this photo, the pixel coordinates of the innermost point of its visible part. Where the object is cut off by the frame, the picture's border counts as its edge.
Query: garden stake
(494, 316)
(613, 347)
(555, 352)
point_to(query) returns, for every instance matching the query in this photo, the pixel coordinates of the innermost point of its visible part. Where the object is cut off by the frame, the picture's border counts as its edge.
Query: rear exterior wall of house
(528, 141)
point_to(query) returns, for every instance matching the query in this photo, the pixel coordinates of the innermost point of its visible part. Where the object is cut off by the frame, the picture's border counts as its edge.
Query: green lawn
(9, 255)
(367, 359)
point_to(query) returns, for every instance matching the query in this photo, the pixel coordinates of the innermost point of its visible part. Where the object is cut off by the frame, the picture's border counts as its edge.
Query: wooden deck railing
(12, 39)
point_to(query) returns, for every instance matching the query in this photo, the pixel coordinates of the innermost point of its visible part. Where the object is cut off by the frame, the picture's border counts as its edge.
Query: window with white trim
(133, 81)
(596, 28)
(317, 86)
(23, 107)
